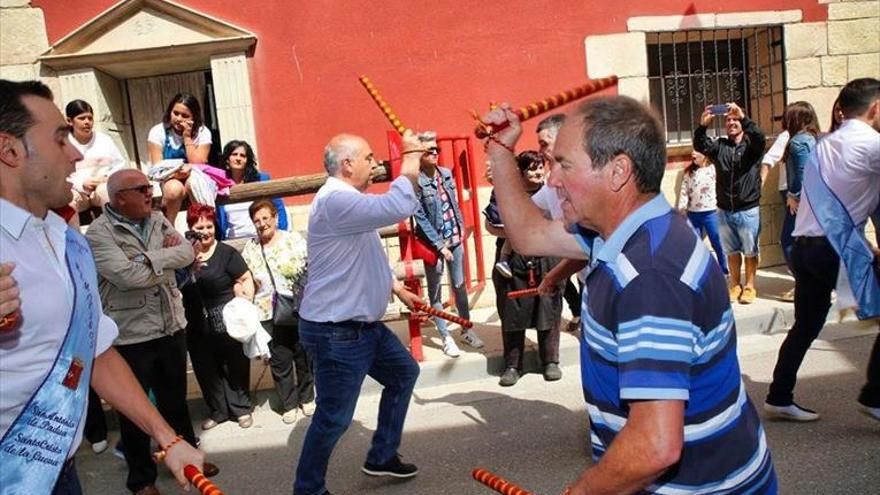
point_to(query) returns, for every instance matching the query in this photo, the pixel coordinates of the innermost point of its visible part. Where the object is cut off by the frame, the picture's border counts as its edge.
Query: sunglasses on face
(434, 150)
(144, 189)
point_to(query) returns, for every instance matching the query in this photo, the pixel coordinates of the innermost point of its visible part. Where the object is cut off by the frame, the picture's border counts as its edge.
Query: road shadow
(539, 444)
(534, 443)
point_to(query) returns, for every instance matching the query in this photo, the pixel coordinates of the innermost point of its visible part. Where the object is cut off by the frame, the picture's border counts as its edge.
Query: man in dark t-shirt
(737, 159)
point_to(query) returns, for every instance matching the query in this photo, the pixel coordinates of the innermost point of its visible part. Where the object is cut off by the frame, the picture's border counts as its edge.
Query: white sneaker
(450, 348)
(308, 408)
(791, 412)
(290, 416)
(470, 338)
(99, 447)
(871, 412)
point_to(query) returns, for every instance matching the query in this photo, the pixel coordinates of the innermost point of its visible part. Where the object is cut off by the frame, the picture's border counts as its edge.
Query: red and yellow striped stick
(542, 106)
(380, 102)
(199, 481)
(443, 314)
(497, 483)
(523, 293)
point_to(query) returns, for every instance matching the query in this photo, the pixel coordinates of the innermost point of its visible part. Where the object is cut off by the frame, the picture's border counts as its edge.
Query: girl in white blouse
(180, 135)
(698, 201)
(101, 158)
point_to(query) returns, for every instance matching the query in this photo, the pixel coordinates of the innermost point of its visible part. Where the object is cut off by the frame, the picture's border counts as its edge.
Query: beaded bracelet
(492, 138)
(414, 151)
(10, 321)
(159, 455)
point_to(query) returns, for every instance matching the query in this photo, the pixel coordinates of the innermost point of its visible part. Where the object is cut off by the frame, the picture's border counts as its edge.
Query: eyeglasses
(144, 189)
(434, 150)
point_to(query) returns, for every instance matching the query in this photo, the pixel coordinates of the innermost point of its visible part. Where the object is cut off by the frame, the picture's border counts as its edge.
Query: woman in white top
(698, 202)
(101, 158)
(180, 135)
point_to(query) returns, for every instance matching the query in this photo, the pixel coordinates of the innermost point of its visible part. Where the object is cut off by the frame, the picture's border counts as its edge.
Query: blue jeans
(68, 480)
(739, 231)
(434, 276)
(343, 354)
(707, 222)
(785, 240)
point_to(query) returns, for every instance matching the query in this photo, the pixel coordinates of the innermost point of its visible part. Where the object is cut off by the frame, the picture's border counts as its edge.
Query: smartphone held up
(719, 109)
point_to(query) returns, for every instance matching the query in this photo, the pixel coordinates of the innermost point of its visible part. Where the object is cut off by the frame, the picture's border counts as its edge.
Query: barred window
(688, 70)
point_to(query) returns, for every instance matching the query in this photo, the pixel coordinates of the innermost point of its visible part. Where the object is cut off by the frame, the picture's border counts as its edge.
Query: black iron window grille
(689, 70)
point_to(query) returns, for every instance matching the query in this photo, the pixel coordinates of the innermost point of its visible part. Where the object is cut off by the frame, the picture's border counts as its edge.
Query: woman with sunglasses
(439, 224)
(181, 136)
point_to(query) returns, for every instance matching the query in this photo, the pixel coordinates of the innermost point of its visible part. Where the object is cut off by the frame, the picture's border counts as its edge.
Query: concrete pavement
(767, 315)
(535, 433)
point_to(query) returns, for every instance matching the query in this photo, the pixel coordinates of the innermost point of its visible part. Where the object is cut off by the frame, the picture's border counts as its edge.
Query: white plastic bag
(203, 189)
(243, 324)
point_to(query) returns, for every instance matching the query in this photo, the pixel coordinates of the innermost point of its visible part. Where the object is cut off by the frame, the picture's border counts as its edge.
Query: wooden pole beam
(290, 186)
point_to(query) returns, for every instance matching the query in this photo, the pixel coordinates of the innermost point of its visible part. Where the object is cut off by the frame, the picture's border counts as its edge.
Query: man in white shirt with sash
(62, 340)
(345, 297)
(841, 190)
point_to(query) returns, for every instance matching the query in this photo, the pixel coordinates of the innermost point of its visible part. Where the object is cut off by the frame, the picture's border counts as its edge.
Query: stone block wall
(820, 58)
(23, 38)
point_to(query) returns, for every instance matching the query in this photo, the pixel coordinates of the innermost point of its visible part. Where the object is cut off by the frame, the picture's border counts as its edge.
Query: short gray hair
(338, 149)
(427, 136)
(552, 123)
(615, 125)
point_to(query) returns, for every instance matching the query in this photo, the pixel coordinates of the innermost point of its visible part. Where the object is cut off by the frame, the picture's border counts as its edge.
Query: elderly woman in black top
(219, 362)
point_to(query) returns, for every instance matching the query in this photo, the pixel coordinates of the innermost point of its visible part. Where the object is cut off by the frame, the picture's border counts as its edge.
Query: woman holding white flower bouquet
(277, 259)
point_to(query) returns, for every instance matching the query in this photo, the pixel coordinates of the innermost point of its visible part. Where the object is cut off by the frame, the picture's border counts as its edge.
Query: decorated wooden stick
(10, 322)
(389, 114)
(497, 483)
(533, 291)
(199, 481)
(443, 314)
(537, 108)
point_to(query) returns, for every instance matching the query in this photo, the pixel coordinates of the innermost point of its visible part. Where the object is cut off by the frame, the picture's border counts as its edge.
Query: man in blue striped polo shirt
(667, 405)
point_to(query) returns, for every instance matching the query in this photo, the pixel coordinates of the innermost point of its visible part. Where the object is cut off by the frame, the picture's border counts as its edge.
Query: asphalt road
(535, 434)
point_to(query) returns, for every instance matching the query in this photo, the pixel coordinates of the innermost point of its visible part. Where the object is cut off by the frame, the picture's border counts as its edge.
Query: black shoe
(509, 378)
(210, 470)
(552, 372)
(391, 468)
